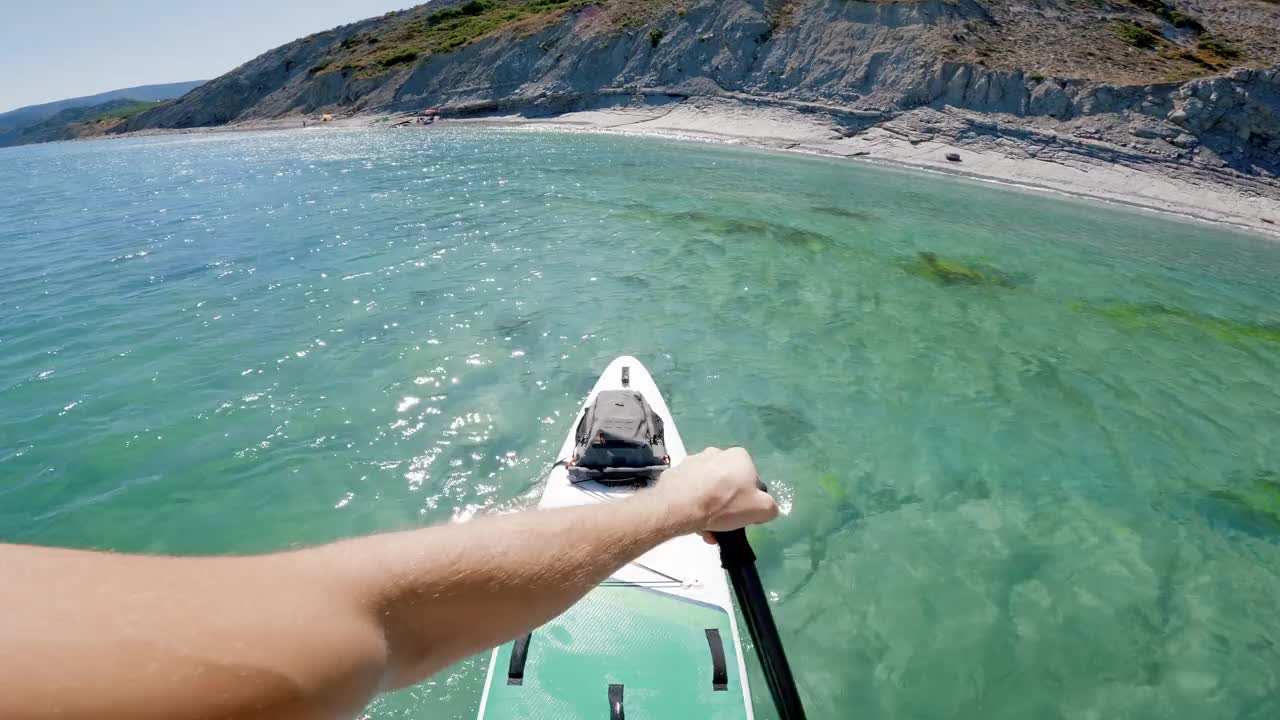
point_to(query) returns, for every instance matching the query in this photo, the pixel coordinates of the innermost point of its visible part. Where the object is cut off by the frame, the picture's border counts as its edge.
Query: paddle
(740, 562)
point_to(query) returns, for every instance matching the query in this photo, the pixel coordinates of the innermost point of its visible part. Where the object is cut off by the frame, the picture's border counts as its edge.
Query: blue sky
(55, 49)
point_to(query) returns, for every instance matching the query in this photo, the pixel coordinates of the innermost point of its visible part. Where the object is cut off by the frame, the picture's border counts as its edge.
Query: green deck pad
(652, 643)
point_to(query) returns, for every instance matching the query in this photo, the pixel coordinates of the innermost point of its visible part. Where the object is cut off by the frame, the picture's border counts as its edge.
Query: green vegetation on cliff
(441, 31)
(1138, 35)
(1189, 42)
(126, 111)
(79, 122)
(1173, 16)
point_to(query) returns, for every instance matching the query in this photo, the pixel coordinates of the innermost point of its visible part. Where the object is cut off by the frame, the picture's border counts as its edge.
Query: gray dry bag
(619, 439)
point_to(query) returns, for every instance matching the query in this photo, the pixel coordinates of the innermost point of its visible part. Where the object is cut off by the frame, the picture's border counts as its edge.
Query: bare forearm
(447, 592)
(103, 636)
(307, 634)
(315, 633)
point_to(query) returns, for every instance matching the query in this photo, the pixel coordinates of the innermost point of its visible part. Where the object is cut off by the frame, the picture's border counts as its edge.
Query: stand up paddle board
(658, 639)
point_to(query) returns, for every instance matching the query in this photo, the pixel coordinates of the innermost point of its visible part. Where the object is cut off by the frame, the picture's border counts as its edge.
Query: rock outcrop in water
(1066, 69)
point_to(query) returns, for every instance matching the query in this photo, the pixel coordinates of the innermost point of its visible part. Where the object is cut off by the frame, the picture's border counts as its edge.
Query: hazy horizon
(67, 48)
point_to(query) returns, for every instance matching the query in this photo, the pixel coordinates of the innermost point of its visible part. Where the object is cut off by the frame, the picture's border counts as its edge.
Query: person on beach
(315, 633)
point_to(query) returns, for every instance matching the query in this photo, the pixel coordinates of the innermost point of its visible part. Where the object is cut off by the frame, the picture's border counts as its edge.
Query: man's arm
(315, 633)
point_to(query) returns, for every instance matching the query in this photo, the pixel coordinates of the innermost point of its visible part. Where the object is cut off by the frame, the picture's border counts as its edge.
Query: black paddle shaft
(740, 562)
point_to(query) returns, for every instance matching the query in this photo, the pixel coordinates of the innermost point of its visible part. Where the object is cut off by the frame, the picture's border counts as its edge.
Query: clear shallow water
(1039, 486)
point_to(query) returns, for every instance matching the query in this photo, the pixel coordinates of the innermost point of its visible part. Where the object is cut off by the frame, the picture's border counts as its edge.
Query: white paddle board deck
(658, 639)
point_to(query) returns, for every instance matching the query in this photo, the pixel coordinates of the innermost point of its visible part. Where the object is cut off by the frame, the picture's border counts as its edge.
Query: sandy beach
(1171, 188)
(1152, 188)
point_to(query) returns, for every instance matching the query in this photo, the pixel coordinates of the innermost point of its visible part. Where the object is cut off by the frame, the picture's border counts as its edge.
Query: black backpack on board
(619, 440)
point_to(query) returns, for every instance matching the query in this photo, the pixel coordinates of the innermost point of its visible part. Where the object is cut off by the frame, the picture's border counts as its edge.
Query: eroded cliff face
(1229, 121)
(862, 62)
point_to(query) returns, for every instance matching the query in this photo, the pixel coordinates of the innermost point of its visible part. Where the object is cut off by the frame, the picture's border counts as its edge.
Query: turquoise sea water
(1037, 476)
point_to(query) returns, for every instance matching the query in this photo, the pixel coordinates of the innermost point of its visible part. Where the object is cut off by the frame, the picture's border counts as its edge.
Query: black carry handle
(740, 562)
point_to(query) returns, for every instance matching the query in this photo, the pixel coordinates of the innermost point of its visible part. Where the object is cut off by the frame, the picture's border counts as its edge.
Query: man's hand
(721, 488)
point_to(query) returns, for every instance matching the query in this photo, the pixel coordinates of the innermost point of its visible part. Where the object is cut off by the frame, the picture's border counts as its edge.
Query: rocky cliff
(1168, 79)
(77, 122)
(16, 125)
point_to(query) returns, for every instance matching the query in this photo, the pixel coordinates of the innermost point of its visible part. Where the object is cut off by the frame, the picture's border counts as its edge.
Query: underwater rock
(785, 428)
(953, 271)
(735, 227)
(1257, 497)
(832, 486)
(842, 213)
(1166, 317)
